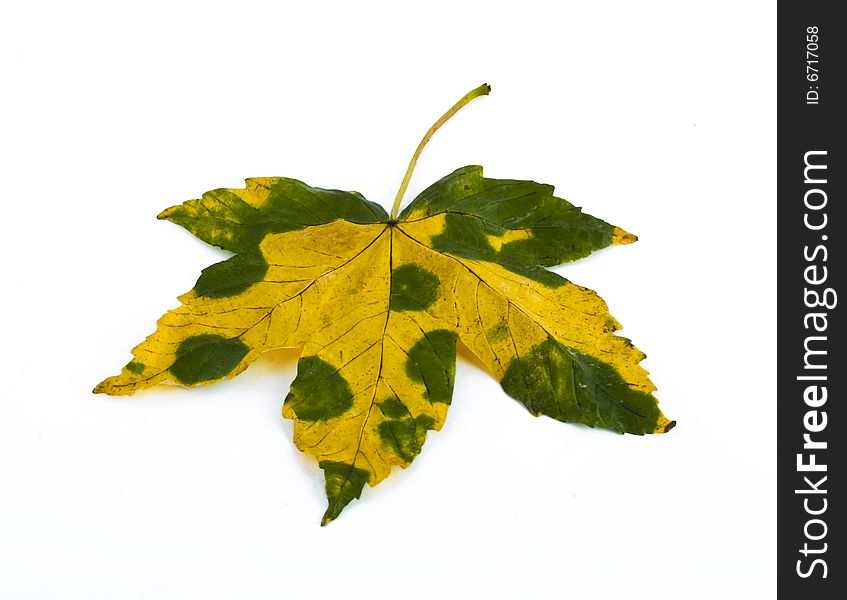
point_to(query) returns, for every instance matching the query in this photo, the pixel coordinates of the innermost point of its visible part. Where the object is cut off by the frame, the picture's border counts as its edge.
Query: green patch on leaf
(432, 361)
(466, 236)
(571, 386)
(135, 367)
(498, 331)
(405, 436)
(344, 484)
(232, 276)
(238, 219)
(555, 231)
(392, 408)
(319, 392)
(207, 357)
(413, 288)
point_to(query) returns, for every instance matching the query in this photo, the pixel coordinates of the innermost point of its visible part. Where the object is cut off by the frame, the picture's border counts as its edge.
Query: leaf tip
(620, 237)
(664, 425)
(105, 387)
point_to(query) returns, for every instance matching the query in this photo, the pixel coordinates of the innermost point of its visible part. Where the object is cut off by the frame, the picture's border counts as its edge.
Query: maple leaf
(378, 303)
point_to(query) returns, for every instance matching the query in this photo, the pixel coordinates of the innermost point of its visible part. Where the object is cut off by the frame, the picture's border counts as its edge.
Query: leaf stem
(482, 90)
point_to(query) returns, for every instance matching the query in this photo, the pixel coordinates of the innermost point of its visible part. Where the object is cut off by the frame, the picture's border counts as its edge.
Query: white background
(657, 116)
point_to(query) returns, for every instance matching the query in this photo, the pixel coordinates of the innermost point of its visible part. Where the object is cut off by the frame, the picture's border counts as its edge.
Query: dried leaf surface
(378, 306)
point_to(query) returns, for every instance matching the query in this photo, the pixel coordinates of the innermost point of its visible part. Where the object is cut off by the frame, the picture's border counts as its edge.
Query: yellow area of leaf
(511, 235)
(274, 313)
(620, 237)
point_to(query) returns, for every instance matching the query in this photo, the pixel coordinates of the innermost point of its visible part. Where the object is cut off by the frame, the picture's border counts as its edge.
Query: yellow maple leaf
(378, 304)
